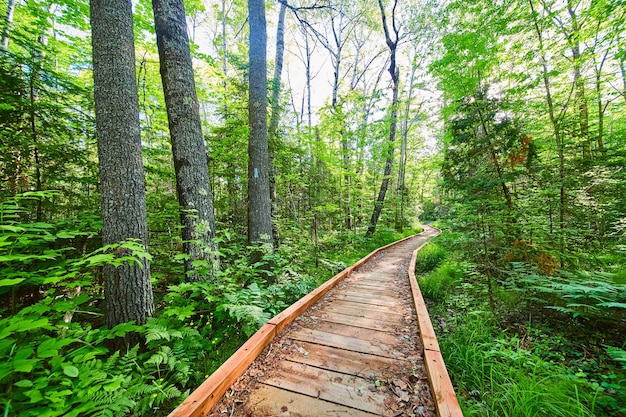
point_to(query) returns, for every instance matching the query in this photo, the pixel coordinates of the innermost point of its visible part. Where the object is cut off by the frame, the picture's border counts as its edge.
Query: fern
(582, 293)
(251, 317)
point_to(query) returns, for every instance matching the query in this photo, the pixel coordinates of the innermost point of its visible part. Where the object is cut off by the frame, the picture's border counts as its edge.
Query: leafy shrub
(429, 258)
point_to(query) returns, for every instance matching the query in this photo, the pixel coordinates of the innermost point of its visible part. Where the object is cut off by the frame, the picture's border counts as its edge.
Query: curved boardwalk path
(360, 345)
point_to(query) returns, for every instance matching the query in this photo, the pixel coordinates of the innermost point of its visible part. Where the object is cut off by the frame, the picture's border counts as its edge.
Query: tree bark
(259, 204)
(395, 77)
(8, 20)
(189, 150)
(276, 109)
(127, 288)
(403, 151)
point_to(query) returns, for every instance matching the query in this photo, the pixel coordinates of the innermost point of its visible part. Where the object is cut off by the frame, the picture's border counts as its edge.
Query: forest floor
(390, 382)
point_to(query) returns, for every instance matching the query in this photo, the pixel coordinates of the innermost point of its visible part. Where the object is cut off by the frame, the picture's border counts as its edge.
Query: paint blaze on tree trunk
(127, 288)
(188, 147)
(259, 205)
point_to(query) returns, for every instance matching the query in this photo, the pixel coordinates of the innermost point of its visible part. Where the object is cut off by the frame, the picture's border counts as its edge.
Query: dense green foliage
(59, 360)
(520, 150)
(550, 346)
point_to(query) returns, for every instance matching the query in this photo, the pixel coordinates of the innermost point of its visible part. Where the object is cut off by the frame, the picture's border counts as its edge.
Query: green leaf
(34, 395)
(24, 383)
(100, 258)
(10, 282)
(24, 365)
(50, 348)
(11, 228)
(71, 371)
(613, 305)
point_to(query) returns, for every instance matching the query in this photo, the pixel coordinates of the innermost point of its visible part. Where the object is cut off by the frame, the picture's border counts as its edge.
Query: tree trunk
(395, 77)
(127, 288)
(579, 83)
(403, 154)
(8, 20)
(259, 205)
(556, 126)
(275, 116)
(189, 150)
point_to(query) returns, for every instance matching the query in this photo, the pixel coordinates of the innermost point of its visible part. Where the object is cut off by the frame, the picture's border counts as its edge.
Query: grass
(502, 366)
(441, 281)
(429, 257)
(496, 376)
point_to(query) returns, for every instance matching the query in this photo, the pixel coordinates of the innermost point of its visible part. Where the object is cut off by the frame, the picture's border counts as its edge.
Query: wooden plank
(440, 385)
(370, 307)
(379, 301)
(269, 401)
(374, 336)
(356, 321)
(387, 290)
(427, 333)
(296, 309)
(345, 342)
(330, 386)
(368, 284)
(200, 402)
(345, 361)
(360, 311)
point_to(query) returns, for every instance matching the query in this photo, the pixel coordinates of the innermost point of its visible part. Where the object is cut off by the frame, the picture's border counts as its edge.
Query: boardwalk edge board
(201, 401)
(446, 403)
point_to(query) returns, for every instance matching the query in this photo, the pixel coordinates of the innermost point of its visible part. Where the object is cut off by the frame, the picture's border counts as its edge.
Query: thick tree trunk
(127, 288)
(259, 204)
(276, 109)
(188, 147)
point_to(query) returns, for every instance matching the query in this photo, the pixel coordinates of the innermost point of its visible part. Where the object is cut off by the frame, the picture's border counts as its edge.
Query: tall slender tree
(8, 20)
(188, 147)
(127, 288)
(392, 43)
(259, 204)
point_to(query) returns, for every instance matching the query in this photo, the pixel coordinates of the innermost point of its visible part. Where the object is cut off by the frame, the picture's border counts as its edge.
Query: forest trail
(358, 351)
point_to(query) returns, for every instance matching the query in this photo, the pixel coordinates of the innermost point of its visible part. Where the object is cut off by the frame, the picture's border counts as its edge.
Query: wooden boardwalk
(360, 345)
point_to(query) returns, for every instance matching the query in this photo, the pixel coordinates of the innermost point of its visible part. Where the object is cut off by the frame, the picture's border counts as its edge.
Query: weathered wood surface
(356, 352)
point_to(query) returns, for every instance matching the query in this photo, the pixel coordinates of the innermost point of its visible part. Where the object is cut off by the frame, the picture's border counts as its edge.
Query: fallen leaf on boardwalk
(391, 403)
(402, 395)
(400, 384)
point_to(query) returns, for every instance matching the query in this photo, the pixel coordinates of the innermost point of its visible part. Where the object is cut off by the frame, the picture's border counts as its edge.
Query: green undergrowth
(347, 248)
(543, 346)
(58, 359)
